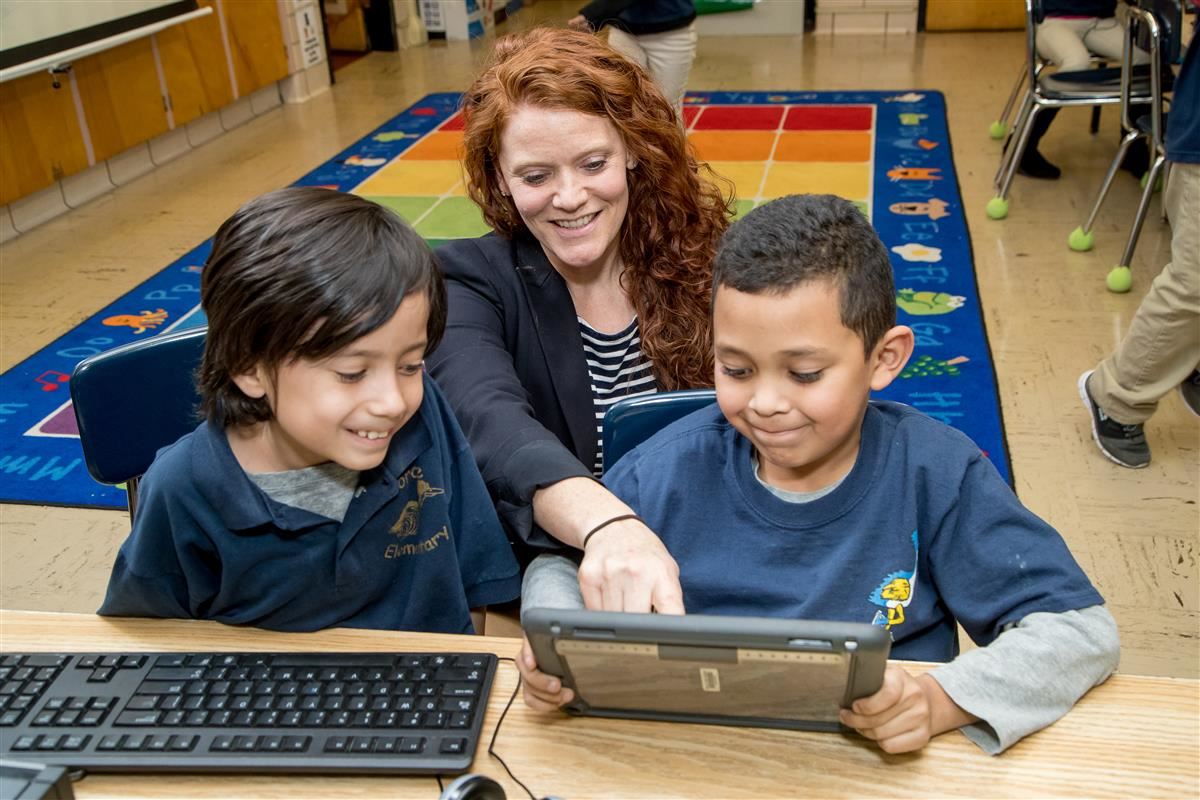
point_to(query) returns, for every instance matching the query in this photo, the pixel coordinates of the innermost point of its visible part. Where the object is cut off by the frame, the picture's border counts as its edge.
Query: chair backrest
(629, 422)
(133, 400)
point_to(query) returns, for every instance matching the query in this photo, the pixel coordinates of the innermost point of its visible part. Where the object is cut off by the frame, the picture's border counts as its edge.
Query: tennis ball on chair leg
(1081, 241)
(1120, 280)
(997, 208)
(997, 129)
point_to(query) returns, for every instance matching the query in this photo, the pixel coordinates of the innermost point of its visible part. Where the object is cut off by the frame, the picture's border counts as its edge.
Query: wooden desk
(1132, 737)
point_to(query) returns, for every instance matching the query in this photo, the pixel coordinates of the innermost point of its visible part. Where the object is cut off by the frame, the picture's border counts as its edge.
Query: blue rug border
(349, 168)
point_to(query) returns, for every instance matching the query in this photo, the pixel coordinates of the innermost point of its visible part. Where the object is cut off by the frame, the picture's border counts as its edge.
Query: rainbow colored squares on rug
(889, 152)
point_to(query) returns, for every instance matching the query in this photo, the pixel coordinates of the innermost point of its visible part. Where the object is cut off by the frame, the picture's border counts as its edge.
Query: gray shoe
(1123, 444)
(1189, 390)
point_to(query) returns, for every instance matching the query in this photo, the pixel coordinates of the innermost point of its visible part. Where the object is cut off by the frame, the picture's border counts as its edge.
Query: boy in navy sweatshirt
(797, 496)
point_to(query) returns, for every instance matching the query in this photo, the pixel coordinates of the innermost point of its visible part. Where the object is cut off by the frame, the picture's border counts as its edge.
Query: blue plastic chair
(132, 401)
(629, 422)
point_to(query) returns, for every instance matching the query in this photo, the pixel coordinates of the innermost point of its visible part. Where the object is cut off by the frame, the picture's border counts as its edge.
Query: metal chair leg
(1000, 127)
(1082, 238)
(1009, 148)
(1143, 205)
(1120, 279)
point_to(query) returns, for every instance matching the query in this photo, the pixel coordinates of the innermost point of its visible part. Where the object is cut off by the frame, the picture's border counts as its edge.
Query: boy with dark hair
(797, 496)
(325, 448)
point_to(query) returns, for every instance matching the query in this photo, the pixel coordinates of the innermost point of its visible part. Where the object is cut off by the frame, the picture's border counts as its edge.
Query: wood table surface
(1133, 736)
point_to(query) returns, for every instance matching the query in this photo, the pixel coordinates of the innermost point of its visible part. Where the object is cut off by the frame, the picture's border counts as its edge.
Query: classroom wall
(117, 114)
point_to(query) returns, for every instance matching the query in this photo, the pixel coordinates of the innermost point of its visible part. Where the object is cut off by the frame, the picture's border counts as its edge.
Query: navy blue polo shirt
(419, 547)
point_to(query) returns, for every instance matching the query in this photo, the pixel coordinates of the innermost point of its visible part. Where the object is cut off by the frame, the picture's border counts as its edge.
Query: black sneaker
(1034, 165)
(1189, 390)
(1123, 444)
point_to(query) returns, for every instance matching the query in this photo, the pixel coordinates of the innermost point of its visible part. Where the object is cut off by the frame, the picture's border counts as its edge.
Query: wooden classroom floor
(1049, 317)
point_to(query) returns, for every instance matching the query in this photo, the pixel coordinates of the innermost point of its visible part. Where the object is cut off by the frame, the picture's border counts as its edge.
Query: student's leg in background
(670, 56)
(1162, 347)
(1107, 38)
(628, 46)
(1060, 41)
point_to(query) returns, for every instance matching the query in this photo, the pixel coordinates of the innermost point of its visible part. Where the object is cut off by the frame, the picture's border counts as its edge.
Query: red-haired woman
(593, 286)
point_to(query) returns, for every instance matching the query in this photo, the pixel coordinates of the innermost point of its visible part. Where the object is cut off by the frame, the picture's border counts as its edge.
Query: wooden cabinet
(135, 92)
(194, 67)
(122, 97)
(255, 43)
(40, 139)
(974, 15)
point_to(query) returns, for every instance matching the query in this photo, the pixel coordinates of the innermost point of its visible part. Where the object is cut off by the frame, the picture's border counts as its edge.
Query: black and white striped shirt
(618, 369)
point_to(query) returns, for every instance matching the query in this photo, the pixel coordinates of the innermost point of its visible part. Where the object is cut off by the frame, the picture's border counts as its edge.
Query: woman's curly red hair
(676, 216)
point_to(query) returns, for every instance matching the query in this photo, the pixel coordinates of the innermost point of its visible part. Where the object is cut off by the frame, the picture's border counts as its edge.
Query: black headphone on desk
(474, 786)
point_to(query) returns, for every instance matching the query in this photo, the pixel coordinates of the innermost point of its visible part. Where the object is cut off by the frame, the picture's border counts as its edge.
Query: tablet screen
(722, 681)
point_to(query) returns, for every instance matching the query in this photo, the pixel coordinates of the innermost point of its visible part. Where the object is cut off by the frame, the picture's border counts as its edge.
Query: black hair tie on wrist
(605, 524)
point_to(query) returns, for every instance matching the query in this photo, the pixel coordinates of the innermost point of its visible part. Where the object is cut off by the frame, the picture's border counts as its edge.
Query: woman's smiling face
(565, 171)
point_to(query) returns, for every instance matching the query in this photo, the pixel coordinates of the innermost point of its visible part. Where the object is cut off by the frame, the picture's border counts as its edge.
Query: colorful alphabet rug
(888, 152)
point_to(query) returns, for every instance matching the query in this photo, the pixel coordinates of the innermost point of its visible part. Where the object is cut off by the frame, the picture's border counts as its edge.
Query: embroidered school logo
(410, 516)
(894, 594)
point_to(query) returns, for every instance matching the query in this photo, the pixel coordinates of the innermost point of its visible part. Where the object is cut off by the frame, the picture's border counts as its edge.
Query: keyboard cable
(496, 731)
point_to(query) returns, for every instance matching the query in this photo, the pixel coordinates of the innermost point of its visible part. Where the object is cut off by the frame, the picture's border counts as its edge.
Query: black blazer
(512, 366)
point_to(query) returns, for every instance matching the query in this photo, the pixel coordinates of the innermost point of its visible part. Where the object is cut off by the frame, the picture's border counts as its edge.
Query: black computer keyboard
(245, 712)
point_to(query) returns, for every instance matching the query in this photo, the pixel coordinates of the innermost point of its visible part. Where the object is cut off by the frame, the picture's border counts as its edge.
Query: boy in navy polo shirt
(330, 484)
(796, 496)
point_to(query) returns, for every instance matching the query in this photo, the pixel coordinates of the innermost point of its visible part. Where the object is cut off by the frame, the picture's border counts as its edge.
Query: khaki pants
(1162, 347)
(666, 56)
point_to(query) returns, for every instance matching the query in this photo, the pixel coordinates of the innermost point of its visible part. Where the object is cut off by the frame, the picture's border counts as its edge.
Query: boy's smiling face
(794, 380)
(346, 408)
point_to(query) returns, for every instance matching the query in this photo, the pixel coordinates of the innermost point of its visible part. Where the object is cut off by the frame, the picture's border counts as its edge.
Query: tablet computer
(751, 671)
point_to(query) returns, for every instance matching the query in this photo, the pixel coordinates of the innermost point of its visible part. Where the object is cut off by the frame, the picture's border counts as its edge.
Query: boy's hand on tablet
(542, 692)
(626, 568)
(905, 713)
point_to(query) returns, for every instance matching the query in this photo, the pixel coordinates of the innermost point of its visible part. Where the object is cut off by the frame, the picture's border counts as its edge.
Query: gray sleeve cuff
(1032, 674)
(551, 581)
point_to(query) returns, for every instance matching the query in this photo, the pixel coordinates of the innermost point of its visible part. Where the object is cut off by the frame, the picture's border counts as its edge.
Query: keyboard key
(110, 742)
(157, 743)
(332, 659)
(171, 660)
(221, 744)
(454, 746)
(245, 744)
(91, 719)
(24, 743)
(75, 743)
(296, 744)
(101, 675)
(50, 742)
(360, 744)
(412, 744)
(271, 744)
(139, 719)
(183, 743)
(45, 660)
(337, 744)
